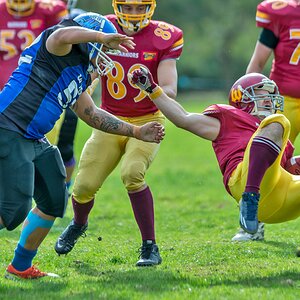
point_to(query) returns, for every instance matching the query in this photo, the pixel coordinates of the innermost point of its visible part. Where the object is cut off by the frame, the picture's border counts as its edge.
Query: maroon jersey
(283, 19)
(17, 33)
(154, 43)
(237, 127)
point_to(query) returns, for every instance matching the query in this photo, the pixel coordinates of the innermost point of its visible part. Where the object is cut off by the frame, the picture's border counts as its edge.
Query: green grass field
(195, 220)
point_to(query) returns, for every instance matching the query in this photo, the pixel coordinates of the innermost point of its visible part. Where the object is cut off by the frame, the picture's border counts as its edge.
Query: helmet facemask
(103, 62)
(249, 96)
(134, 22)
(20, 8)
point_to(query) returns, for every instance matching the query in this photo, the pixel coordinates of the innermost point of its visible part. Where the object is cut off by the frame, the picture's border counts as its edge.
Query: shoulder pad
(270, 10)
(165, 35)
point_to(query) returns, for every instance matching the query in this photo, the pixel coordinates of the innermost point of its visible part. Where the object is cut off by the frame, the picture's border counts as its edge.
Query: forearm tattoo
(107, 122)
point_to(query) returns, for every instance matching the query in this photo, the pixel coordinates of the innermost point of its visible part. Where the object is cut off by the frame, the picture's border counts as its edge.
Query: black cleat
(69, 237)
(149, 255)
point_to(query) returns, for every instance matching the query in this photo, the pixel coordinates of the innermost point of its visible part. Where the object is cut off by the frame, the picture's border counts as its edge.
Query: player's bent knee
(133, 175)
(56, 207)
(13, 220)
(83, 197)
(279, 127)
(84, 189)
(276, 118)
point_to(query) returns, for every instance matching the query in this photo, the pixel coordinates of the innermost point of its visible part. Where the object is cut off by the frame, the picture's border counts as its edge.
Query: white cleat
(243, 236)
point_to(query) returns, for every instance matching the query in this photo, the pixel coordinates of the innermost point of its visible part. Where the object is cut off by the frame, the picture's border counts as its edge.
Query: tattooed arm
(100, 119)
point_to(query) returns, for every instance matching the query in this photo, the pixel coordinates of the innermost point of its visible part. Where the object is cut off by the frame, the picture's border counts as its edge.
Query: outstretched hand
(118, 41)
(143, 79)
(151, 132)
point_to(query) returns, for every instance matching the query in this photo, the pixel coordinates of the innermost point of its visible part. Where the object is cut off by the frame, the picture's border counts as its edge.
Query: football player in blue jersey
(53, 73)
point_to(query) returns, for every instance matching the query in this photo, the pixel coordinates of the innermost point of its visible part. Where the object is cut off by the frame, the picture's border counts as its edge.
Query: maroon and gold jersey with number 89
(154, 43)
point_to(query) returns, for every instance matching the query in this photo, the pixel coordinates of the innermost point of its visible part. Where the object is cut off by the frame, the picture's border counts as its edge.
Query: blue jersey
(43, 85)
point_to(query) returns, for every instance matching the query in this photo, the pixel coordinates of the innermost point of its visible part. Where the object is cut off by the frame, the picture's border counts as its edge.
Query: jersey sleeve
(169, 39)
(212, 111)
(223, 112)
(268, 15)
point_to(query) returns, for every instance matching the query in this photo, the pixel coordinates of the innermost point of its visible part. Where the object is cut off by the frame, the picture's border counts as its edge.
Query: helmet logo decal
(236, 95)
(278, 4)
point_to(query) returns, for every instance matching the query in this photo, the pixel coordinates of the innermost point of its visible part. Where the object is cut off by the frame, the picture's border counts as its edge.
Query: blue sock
(33, 222)
(23, 258)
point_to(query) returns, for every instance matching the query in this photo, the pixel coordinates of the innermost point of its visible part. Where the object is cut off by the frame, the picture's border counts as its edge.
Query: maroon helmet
(242, 94)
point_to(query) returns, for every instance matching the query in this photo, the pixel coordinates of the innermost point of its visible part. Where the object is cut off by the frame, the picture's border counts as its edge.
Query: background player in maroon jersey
(158, 46)
(20, 23)
(250, 142)
(280, 36)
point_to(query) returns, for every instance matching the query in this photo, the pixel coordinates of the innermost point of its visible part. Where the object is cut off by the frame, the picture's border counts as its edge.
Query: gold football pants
(279, 190)
(102, 153)
(292, 112)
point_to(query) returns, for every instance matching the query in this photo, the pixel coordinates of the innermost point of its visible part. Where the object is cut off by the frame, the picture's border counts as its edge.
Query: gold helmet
(134, 22)
(20, 8)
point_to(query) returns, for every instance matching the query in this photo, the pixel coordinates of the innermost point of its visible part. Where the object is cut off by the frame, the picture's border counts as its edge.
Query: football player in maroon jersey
(158, 47)
(20, 23)
(280, 36)
(251, 143)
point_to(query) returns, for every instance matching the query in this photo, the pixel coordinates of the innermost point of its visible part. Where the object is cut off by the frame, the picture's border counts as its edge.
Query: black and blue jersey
(43, 85)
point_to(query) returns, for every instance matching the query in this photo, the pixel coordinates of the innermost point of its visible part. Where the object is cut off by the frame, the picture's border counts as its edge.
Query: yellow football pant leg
(292, 112)
(280, 190)
(53, 134)
(102, 153)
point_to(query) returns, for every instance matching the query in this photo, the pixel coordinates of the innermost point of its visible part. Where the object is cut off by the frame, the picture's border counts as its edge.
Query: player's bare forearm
(197, 123)
(60, 41)
(97, 118)
(104, 121)
(172, 110)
